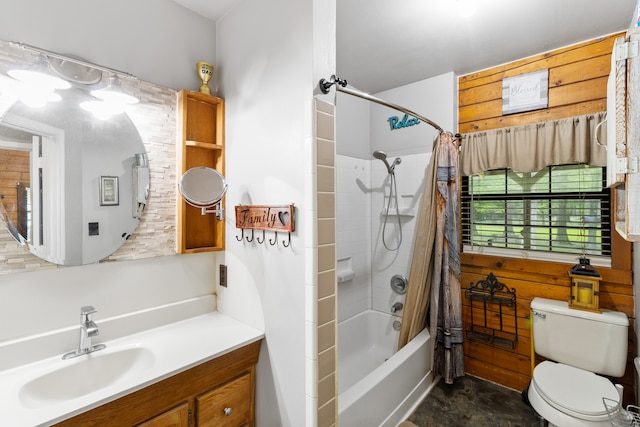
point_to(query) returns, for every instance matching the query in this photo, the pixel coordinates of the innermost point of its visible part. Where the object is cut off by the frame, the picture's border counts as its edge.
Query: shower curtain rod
(341, 86)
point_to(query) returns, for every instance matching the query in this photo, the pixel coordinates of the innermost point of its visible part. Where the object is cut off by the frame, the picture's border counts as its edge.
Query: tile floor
(471, 401)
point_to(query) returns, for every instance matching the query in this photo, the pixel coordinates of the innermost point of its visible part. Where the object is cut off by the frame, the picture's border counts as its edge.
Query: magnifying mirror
(203, 187)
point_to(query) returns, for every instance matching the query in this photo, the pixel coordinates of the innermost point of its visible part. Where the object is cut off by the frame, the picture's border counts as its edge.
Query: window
(560, 209)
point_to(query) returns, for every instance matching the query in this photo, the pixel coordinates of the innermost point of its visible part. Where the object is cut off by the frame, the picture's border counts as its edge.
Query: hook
(239, 239)
(284, 242)
(258, 239)
(275, 240)
(250, 240)
(597, 132)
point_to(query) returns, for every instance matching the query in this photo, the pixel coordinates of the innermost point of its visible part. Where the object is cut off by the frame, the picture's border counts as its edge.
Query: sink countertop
(177, 347)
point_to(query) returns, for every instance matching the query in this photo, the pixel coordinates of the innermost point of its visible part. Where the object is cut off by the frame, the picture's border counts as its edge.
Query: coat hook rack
(280, 218)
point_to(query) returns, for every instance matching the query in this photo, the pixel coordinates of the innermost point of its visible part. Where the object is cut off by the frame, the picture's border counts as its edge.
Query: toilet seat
(572, 390)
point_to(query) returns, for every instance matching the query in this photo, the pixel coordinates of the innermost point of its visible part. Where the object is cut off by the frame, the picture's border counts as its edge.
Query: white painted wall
(434, 98)
(353, 128)
(265, 58)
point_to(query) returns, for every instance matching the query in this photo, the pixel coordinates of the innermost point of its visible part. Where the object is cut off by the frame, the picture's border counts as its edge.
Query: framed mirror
(72, 186)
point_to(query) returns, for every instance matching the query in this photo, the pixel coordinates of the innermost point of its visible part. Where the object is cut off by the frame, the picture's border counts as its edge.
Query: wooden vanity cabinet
(200, 135)
(176, 417)
(218, 393)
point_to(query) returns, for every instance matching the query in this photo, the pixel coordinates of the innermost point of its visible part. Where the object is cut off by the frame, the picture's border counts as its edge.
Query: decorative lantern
(585, 286)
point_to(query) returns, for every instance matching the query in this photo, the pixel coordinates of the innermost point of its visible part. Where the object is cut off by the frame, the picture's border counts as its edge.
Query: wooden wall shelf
(200, 142)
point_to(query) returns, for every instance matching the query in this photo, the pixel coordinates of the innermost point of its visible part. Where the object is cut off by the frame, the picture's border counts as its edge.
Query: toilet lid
(573, 389)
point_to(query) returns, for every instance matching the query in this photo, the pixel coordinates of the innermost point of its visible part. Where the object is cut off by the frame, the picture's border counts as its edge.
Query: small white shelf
(407, 212)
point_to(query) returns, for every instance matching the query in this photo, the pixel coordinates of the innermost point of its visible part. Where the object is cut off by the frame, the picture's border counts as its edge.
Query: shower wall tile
(326, 179)
(325, 107)
(326, 283)
(326, 336)
(312, 387)
(311, 411)
(326, 257)
(327, 389)
(327, 414)
(324, 125)
(326, 362)
(311, 304)
(326, 205)
(321, 356)
(326, 309)
(311, 259)
(353, 224)
(326, 231)
(326, 152)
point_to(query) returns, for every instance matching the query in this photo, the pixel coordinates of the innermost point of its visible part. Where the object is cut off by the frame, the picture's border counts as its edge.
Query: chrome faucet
(88, 329)
(396, 307)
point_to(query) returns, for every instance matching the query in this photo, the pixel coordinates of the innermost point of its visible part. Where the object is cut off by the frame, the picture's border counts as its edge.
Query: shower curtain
(434, 277)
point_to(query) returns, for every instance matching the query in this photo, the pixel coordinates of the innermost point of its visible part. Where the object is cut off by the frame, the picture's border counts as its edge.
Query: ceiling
(388, 44)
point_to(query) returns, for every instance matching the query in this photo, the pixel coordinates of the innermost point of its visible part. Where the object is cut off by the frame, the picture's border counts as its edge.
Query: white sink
(49, 390)
(85, 374)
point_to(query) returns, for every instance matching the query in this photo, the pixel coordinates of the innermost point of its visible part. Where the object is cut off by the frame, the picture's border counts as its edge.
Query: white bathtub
(376, 386)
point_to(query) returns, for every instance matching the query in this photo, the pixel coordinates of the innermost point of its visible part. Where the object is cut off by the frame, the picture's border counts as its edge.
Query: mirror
(204, 187)
(72, 186)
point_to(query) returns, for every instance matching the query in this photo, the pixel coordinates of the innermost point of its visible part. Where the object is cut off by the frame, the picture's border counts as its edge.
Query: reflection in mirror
(72, 186)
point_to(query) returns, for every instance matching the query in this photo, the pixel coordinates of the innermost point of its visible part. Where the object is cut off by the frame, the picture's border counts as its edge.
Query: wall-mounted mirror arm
(217, 210)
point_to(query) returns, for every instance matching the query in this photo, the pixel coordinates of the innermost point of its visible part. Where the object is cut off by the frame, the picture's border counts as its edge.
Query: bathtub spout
(396, 307)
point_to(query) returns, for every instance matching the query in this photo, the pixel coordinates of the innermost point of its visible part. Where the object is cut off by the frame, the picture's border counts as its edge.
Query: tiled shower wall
(410, 174)
(353, 176)
(362, 194)
(321, 361)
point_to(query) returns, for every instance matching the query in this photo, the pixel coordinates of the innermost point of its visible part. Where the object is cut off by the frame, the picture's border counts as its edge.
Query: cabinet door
(176, 417)
(226, 406)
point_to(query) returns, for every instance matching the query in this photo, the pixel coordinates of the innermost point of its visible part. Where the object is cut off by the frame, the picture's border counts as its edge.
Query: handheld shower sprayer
(381, 155)
(393, 194)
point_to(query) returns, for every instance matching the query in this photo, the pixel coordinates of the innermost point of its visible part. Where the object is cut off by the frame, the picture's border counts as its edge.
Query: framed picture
(526, 92)
(109, 191)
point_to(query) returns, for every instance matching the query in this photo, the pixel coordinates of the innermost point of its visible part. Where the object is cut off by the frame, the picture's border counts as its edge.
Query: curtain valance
(530, 148)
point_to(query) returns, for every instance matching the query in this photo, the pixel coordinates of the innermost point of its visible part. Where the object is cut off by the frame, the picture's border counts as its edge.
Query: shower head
(381, 155)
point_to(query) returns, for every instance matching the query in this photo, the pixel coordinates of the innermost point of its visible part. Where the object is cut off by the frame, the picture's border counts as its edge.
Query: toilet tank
(595, 342)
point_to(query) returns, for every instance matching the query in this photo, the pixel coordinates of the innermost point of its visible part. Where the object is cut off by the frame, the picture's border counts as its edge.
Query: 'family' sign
(270, 218)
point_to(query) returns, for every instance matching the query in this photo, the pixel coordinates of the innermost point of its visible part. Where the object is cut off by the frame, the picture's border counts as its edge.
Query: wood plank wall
(14, 165)
(577, 85)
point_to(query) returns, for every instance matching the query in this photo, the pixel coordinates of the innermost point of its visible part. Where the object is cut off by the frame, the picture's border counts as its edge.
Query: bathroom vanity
(216, 393)
(199, 371)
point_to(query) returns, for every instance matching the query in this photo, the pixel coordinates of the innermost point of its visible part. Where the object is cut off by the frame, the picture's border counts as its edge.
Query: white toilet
(578, 344)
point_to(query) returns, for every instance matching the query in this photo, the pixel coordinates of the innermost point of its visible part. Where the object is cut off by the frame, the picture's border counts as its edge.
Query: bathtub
(377, 385)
